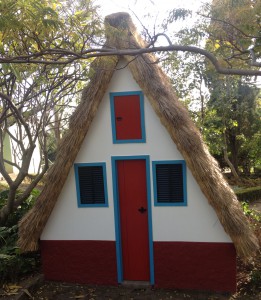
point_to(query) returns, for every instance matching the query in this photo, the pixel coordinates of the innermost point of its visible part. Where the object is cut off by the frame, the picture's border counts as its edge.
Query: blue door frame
(114, 160)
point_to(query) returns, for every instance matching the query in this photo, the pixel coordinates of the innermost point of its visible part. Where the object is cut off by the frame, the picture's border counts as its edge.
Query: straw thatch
(121, 34)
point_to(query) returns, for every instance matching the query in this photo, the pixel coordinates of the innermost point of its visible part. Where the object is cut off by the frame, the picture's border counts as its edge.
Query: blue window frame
(127, 119)
(91, 184)
(170, 183)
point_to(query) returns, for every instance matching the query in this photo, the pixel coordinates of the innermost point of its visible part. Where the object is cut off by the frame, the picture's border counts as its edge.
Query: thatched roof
(122, 34)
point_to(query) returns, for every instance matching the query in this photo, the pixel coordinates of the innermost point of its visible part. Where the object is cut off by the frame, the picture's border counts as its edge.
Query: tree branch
(69, 56)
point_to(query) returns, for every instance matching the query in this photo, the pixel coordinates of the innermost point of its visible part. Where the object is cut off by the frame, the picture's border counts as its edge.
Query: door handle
(142, 210)
(119, 118)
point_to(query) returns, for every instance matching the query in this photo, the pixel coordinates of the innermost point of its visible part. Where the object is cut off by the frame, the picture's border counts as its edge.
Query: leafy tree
(228, 110)
(233, 122)
(188, 74)
(60, 50)
(234, 35)
(234, 31)
(37, 99)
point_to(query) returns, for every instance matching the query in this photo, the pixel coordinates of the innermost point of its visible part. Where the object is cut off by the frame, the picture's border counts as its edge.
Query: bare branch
(19, 117)
(69, 57)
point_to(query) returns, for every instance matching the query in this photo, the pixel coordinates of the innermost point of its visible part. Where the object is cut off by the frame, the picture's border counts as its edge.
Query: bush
(254, 217)
(13, 264)
(252, 214)
(252, 269)
(22, 209)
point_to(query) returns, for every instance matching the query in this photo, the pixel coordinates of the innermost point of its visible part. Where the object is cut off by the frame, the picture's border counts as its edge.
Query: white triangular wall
(196, 222)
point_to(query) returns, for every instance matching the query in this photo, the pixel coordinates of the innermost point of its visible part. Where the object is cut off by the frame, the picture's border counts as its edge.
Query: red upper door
(128, 117)
(132, 192)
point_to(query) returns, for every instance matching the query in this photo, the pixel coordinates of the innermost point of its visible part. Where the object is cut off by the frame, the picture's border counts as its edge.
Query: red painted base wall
(179, 265)
(195, 266)
(92, 262)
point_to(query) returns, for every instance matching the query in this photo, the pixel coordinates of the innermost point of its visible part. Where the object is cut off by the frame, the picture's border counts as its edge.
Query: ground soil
(35, 287)
(65, 291)
(51, 290)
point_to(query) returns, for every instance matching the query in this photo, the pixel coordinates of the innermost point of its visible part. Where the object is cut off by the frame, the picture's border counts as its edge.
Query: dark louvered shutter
(169, 183)
(91, 185)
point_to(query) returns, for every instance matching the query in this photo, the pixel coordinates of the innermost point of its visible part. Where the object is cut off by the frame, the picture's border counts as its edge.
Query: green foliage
(253, 281)
(12, 263)
(226, 109)
(254, 215)
(233, 120)
(175, 15)
(255, 278)
(22, 209)
(234, 27)
(38, 98)
(38, 26)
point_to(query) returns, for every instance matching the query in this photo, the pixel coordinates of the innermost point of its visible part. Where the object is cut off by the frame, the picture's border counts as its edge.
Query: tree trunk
(231, 166)
(234, 150)
(6, 210)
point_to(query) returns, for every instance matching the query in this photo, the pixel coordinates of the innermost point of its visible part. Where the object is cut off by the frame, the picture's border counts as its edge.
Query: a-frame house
(134, 194)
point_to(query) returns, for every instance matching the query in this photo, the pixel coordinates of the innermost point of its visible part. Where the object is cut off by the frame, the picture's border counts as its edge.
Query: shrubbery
(253, 269)
(13, 264)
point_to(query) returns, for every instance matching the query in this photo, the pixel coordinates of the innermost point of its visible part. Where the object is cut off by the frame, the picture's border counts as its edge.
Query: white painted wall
(196, 222)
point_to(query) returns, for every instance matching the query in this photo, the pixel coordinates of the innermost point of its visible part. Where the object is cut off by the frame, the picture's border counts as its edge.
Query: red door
(127, 117)
(134, 219)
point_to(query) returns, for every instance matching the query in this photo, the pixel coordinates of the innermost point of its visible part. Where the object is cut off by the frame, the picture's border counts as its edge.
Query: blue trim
(117, 220)
(142, 120)
(184, 173)
(152, 280)
(114, 159)
(103, 165)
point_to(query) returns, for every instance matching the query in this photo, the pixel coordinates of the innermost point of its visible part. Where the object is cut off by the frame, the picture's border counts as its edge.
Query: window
(91, 185)
(127, 117)
(169, 179)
